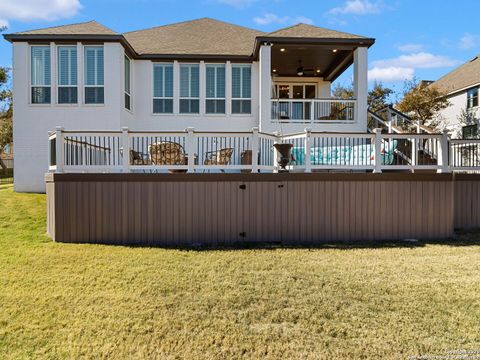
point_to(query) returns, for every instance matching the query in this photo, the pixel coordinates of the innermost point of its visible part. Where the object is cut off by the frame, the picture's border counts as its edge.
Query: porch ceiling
(331, 60)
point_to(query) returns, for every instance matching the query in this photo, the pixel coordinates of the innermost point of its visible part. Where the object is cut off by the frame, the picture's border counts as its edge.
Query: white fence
(313, 111)
(192, 151)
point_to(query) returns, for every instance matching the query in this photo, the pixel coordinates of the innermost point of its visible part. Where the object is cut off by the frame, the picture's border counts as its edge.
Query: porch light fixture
(274, 70)
(318, 70)
(335, 50)
(282, 49)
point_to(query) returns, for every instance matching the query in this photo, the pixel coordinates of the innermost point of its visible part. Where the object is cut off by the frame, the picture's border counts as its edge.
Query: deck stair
(392, 121)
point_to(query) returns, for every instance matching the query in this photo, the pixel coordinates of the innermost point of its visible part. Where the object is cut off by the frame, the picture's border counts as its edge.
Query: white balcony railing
(313, 111)
(191, 151)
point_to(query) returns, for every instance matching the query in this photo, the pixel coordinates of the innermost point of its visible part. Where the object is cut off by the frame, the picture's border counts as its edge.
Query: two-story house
(203, 74)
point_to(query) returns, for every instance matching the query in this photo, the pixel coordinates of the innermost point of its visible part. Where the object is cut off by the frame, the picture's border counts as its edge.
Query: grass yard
(90, 301)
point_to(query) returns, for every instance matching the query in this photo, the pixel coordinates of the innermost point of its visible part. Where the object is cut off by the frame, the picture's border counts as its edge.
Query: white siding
(449, 116)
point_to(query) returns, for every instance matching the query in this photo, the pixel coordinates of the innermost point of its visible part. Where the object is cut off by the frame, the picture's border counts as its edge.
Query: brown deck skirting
(229, 209)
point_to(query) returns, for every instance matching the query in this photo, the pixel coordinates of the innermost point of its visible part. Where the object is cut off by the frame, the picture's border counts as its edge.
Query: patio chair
(335, 113)
(218, 157)
(167, 153)
(139, 158)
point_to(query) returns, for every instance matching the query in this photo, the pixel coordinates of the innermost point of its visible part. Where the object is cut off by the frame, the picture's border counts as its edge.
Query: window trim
(172, 64)
(58, 75)
(473, 98)
(241, 65)
(129, 92)
(224, 98)
(31, 86)
(85, 86)
(180, 97)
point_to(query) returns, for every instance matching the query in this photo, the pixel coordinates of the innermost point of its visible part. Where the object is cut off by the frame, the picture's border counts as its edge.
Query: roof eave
(311, 41)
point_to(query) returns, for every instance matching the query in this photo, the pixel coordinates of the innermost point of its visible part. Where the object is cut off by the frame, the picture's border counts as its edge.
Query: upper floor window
(215, 89)
(94, 75)
(189, 88)
(40, 75)
(241, 89)
(163, 88)
(472, 98)
(470, 132)
(127, 84)
(67, 74)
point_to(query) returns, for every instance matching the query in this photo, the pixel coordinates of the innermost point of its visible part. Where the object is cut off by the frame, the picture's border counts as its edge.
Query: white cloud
(28, 10)
(420, 60)
(390, 74)
(410, 47)
(275, 19)
(303, 19)
(239, 4)
(358, 7)
(270, 19)
(468, 41)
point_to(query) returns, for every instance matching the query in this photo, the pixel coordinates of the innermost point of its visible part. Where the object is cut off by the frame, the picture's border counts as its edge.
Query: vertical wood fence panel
(229, 209)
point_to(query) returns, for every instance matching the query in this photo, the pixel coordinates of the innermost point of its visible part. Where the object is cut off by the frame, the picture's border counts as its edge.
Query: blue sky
(421, 38)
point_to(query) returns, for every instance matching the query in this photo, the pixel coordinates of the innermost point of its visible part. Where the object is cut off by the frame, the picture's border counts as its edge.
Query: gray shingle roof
(310, 31)
(200, 37)
(86, 28)
(464, 76)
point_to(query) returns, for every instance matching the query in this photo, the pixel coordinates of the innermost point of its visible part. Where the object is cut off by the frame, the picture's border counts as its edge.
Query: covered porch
(296, 69)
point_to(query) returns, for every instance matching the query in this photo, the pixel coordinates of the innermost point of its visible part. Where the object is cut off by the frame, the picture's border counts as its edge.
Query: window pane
(210, 81)
(94, 95)
(94, 72)
(236, 91)
(221, 81)
(189, 80)
(215, 107)
(67, 95)
(40, 95)
(184, 83)
(67, 65)
(241, 106)
(127, 101)
(158, 81)
(168, 81)
(188, 106)
(127, 74)
(40, 65)
(246, 82)
(164, 106)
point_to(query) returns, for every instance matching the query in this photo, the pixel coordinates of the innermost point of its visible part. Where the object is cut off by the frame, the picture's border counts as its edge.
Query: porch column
(360, 85)
(265, 81)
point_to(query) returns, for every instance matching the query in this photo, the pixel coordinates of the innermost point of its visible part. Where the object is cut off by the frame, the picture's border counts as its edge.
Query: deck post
(389, 121)
(59, 138)
(308, 146)
(126, 150)
(190, 149)
(255, 145)
(275, 152)
(414, 159)
(377, 160)
(443, 153)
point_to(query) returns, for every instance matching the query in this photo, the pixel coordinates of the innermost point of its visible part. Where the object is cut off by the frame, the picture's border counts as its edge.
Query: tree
(6, 114)
(377, 97)
(422, 102)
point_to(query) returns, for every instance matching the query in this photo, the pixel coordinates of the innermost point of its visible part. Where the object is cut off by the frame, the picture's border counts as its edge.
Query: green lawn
(92, 301)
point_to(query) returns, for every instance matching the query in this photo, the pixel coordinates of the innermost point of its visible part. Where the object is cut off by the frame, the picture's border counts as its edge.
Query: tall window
(189, 88)
(94, 74)
(472, 97)
(215, 89)
(241, 89)
(40, 74)
(67, 74)
(128, 104)
(163, 88)
(470, 132)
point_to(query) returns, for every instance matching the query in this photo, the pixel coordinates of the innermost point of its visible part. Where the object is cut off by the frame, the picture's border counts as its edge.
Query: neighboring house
(205, 74)
(7, 156)
(462, 87)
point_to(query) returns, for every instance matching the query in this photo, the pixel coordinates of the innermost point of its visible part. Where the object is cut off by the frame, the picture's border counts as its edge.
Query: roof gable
(462, 77)
(86, 28)
(309, 31)
(197, 37)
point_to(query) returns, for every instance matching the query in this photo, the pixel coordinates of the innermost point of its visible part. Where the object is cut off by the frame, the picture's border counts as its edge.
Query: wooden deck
(233, 209)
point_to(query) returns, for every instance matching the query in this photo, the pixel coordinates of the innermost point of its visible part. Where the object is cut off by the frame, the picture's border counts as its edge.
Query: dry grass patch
(92, 301)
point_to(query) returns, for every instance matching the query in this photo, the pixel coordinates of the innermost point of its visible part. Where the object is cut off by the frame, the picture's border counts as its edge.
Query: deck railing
(192, 151)
(313, 111)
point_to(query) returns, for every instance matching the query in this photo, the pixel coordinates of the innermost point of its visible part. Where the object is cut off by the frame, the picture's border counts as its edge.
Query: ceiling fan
(301, 70)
